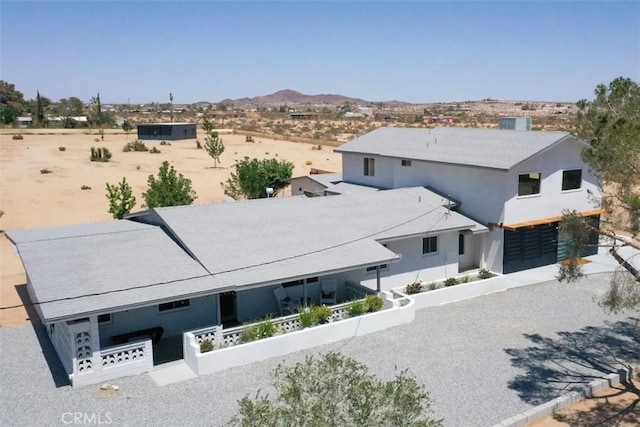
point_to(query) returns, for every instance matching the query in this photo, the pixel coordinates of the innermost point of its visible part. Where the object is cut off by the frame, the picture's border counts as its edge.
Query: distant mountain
(292, 97)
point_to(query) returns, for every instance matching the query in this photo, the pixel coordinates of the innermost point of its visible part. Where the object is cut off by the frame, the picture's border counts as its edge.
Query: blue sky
(420, 51)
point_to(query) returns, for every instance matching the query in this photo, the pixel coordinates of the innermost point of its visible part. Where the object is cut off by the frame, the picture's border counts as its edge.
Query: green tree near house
(335, 390)
(12, 103)
(214, 146)
(127, 127)
(252, 177)
(121, 199)
(611, 125)
(169, 188)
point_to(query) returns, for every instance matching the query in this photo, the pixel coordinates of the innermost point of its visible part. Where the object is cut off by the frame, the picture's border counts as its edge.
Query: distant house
(303, 116)
(438, 119)
(515, 123)
(167, 131)
(23, 122)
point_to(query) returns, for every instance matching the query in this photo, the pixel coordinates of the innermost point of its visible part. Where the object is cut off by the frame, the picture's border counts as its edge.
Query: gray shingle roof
(490, 148)
(76, 274)
(233, 236)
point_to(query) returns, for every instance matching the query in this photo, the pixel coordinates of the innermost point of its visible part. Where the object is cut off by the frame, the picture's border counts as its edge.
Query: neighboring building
(515, 123)
(165, 271)
(303, 116)
(167, 131)
(518, 183)
(24, 122)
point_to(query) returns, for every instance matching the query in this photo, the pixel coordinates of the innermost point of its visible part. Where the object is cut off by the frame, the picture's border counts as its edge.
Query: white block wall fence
(396, 312)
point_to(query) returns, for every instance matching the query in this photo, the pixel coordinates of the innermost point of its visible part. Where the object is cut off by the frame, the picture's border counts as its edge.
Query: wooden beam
(542, 221)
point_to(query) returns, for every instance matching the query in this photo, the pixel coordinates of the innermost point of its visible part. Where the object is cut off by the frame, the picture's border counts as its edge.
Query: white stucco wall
(201, 312)
(481, 191)
(552, 200)
(303, 183)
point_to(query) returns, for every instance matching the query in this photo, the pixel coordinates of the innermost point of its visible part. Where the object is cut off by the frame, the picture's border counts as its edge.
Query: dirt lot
(617, 406)
(30, 199)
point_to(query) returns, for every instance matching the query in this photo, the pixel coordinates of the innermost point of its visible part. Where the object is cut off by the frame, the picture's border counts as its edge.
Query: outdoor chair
(329, 292)
(284, 301)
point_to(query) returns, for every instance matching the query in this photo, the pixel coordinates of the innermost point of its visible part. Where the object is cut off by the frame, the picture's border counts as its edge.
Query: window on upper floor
(430, 245)
(571, 179)
(529, 183)
(369, 166)
(406, 162)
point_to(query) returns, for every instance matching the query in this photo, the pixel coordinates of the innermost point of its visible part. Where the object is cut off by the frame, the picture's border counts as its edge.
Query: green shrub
(307, 317)
(17, 136)
(206, 346)
(100, 154)
(136, 145)
(451, 281)
(374, 303)
(356, 308)
(249, 334)
(413, 288)
(465, 279)
(433, 286)
(85, 187)
(165, 143)
(485, 274)
(61, 148)
(322, 313)
(266, 328)
(154, 150)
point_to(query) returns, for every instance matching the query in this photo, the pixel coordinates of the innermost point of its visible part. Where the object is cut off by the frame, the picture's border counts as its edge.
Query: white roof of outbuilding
(489, 148)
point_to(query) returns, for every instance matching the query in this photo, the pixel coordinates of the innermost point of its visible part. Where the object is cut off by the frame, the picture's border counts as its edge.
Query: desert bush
(433, 286)
(374, 303)
(316, 147)
(248, 139)
(136, 145)
(451, 281)
(96, 139)
(356, 308)
(308, 163)
(485, 274)
(198, 145)
(17, 136)
(413, 288)
(206, 346)
(137, 167)
(61, 148)
(85, 187)
(307, 317)
(100, 154)
(154, 150)
(165, 143)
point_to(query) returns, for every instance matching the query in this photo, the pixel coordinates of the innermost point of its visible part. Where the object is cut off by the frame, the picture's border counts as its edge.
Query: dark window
(461, 244)
(529, 183)
(406, 162)
(369, 166)
(430, 245)
(104, 318)
(184, 131)
(571, 179)
(174, 304)
(299, 282)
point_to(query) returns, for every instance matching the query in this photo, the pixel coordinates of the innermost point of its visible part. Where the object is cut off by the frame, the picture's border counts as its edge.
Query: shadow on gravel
(58, 374)
(553, 367)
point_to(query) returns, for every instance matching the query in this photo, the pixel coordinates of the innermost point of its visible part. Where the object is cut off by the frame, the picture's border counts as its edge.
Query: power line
(150, 285)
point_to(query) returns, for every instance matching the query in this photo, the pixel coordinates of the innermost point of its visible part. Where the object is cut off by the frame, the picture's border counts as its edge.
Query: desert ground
(30, 199)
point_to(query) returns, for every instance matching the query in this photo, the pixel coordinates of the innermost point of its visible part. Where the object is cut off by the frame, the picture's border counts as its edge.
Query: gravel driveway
(483, 360)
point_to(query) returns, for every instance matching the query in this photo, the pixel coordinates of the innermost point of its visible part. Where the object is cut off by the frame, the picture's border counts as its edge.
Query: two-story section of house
(519, 183)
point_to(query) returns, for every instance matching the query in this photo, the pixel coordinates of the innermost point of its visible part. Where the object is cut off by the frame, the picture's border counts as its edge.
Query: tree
(127, 127)
(169, 188)
(611, 125)
(121, 199)
(214, 146)
(207, 125)
(252, 177)
(335, 390)
(12, 103)
(39, 109)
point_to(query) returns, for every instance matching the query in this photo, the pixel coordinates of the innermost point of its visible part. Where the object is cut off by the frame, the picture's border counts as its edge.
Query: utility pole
(171, 102)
